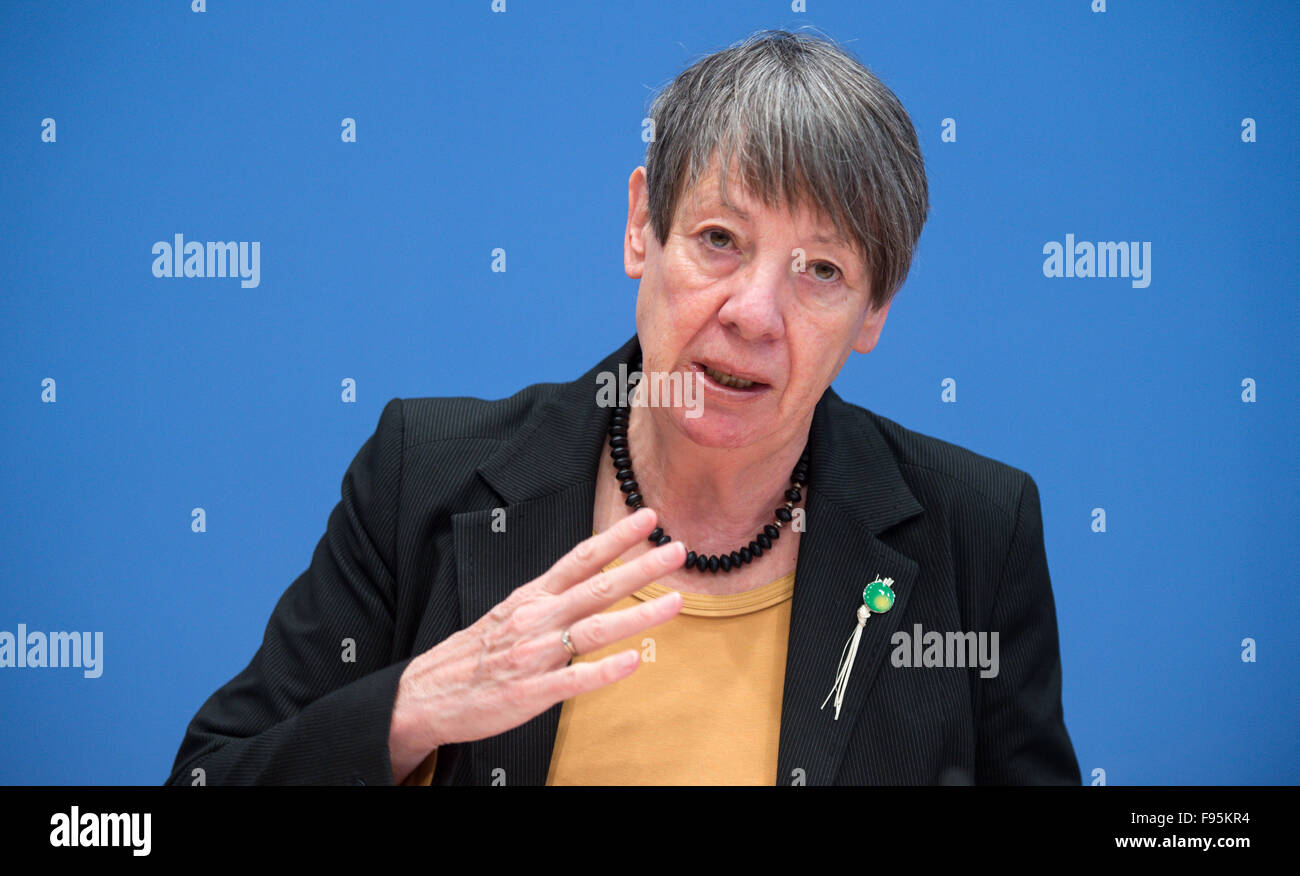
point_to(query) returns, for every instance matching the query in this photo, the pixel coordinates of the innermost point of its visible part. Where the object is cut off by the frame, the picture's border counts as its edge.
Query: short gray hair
(812, 126)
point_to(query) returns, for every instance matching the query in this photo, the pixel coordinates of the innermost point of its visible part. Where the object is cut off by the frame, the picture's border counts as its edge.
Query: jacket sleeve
(315, 703)
(1021, 735)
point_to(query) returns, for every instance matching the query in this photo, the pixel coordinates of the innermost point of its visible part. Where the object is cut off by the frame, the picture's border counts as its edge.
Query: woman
(548, 589)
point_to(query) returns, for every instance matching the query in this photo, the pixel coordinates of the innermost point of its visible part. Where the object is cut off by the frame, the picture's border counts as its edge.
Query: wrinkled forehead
(741, 195)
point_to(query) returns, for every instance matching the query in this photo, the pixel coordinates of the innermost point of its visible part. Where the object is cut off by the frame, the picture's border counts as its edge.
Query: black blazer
(409, 557)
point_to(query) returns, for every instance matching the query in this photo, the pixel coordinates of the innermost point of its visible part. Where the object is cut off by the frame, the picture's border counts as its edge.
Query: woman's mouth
(727, 379)
(730, 381)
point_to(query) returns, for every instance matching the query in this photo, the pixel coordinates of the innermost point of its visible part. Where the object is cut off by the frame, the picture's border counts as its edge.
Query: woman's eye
(825, 271)
(717, 238)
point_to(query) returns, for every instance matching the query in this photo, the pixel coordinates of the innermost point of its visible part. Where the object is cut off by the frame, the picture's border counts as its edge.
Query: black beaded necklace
(621, 455)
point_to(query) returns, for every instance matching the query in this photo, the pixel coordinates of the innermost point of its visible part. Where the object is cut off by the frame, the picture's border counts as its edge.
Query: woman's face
(726, 292)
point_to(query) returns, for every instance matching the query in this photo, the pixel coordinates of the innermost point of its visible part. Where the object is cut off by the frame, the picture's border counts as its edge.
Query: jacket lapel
(545, 476)
(855, 492)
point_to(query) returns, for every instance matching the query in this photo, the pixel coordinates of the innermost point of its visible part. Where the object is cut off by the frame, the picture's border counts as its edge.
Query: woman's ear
(872, 323)
(638, 224)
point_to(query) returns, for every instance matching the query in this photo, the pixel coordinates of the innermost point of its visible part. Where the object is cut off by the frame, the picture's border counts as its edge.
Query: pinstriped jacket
(409, 557)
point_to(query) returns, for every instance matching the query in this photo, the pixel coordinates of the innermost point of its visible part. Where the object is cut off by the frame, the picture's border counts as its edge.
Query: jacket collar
(546, 474)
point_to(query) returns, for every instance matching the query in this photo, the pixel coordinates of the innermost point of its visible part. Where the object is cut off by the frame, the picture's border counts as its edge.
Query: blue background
(518, 130)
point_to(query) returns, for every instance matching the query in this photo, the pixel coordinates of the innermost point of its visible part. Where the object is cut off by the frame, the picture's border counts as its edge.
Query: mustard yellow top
(703, 708)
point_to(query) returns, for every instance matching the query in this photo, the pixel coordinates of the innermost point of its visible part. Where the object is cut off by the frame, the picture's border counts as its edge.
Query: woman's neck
(714, 499)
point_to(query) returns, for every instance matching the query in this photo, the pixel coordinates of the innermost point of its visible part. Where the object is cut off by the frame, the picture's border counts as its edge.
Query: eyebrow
(830, 238)
(737, 211)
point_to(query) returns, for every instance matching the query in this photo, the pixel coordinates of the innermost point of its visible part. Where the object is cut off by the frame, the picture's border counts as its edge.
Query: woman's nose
(753, 296)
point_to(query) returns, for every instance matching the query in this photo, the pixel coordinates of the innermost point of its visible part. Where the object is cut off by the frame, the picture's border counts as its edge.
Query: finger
(603, 589)
(592, 554)
(601, 630)
(546, 651)
(579, 678)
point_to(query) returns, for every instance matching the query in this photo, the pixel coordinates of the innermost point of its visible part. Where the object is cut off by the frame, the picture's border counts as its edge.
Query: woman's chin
(716, 428)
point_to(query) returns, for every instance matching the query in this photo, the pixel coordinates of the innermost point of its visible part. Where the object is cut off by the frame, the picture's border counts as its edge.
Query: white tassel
(846, 662)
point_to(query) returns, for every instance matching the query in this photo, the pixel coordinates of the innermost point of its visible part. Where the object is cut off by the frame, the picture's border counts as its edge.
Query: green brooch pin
(878, 597)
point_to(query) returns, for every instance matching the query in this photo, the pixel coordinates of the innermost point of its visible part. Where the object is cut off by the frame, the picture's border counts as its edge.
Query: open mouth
(730, 381)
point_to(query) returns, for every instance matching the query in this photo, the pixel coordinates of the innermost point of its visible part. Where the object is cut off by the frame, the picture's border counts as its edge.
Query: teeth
(727, 379)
